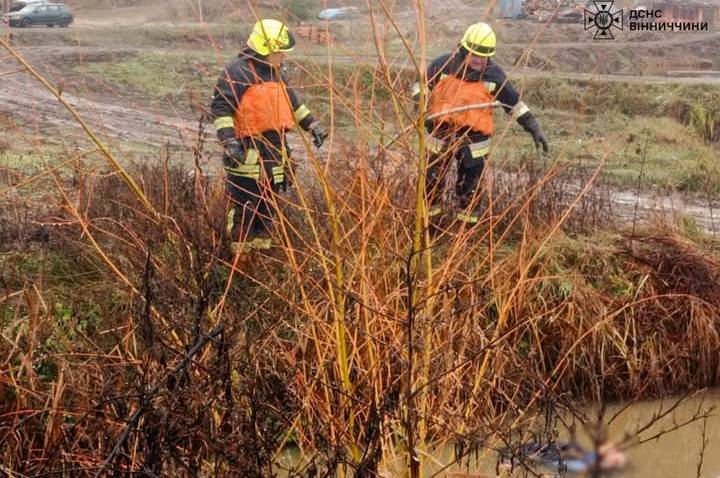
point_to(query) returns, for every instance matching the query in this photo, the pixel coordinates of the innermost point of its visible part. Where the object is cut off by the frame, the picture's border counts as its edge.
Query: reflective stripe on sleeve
(222, 122)
(301, 113)
(490, 85)
(415, 90)
(519, 109)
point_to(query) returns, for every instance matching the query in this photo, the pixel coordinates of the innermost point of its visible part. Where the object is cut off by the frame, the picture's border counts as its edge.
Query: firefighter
(465, 77)
(253, 109)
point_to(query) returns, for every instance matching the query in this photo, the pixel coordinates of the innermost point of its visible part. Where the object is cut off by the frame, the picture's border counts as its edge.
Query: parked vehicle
(49, 14)
(338, 13)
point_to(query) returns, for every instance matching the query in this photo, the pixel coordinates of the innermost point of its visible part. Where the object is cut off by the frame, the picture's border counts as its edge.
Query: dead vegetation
(185, 360)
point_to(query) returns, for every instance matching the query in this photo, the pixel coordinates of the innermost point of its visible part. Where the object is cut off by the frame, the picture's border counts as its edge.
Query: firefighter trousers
(469, 151)
(252, 184)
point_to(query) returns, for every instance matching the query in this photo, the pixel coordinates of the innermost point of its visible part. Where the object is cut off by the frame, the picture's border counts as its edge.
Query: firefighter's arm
(226, 97)
(303, 115)
(306, 120)
(506, 93)
(514, 106)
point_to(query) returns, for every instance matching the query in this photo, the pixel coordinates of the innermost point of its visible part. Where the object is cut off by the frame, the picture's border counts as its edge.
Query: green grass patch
(669, 154)
(158, 73)
(587, 121)
(155, 36)
(695, 105)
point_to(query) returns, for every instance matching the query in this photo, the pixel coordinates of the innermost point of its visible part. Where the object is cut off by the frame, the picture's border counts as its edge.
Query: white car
(338, 13)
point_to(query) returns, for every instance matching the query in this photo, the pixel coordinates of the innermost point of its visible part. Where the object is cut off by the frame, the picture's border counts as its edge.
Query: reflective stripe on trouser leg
(248, 208)
(252, 184)
(275, 161)
(434, 182)
(434, 145)
(230, 222)
(250, 171)
(435, 211)
(250, 157)
(260, 243)
(254, 244)
(248, 168)
(278, 174)
(436, 168)
(470, 171)
(479, 149)
(468, 218)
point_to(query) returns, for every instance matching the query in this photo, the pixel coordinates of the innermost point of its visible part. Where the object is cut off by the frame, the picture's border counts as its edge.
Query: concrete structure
(313, 33)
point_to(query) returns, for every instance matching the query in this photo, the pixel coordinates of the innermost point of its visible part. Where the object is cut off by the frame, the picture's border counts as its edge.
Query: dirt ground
(24, 98)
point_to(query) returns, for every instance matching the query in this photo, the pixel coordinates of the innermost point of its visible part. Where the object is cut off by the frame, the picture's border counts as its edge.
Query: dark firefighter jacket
(251, 99)
(452, 84)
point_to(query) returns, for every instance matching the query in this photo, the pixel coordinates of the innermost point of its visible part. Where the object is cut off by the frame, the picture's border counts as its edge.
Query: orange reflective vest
(264, 107)
(451, 92)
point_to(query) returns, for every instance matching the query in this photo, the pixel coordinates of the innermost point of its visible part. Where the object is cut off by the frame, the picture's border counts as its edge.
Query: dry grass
(508, 315)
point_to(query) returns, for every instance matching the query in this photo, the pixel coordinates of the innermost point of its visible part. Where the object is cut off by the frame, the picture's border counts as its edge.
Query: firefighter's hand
(233, 150)
(540, 140)
(531, 125)
(318, 135)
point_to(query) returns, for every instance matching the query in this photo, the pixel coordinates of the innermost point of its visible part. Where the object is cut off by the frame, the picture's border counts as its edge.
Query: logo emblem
(604, 19)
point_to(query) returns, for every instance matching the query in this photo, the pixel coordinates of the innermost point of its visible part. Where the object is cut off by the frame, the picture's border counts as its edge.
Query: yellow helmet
(269, 36)
(479, 39)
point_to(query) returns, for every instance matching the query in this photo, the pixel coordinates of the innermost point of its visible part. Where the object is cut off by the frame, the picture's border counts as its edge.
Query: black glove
(318, 135)
(234, 151)
(531, 125)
